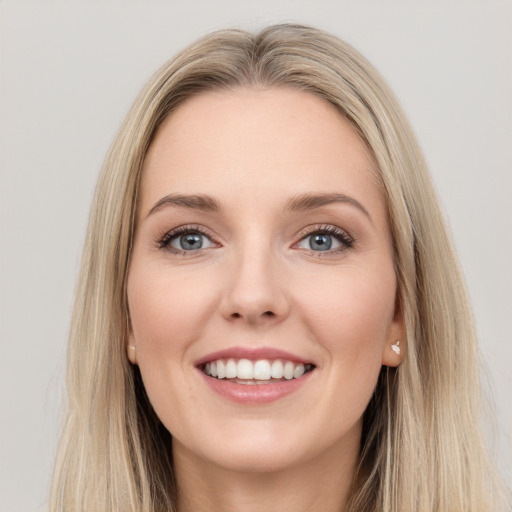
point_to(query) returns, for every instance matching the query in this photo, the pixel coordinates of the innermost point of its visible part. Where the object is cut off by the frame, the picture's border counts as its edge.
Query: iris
(320, 242)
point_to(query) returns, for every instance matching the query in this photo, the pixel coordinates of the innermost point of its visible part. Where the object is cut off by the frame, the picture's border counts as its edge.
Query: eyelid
(163, 242)
(346, 240)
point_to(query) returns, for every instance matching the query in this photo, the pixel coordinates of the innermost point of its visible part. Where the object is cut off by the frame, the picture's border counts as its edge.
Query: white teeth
(260, 371)
(298, 371)
(221, 370)
(231, 369)
(276, 371)
(288, 370)
(245, 370)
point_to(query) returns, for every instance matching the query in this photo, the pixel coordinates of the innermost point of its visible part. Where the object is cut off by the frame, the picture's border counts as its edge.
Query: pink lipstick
(254, 375)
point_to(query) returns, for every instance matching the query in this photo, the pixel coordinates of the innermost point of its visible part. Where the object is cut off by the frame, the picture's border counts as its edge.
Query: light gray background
(68, 73)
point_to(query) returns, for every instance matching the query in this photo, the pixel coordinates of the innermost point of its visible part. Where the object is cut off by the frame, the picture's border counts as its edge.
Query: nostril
(266, 313)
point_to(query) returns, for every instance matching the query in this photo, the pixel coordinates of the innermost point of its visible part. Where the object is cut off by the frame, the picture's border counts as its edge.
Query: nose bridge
(255, 287)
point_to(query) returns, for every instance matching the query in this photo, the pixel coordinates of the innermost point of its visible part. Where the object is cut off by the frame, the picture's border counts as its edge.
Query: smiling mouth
(261, 371)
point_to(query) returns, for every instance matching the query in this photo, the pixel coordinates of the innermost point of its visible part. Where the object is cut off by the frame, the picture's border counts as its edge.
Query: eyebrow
(298, 203)
(311, 201)
(196, 202)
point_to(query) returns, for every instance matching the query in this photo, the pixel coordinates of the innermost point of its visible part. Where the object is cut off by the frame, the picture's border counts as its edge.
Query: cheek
(350, 313)
(347, 313)
(166, 311)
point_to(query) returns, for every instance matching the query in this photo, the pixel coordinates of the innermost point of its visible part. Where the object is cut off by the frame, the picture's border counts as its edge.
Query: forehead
(257, 143)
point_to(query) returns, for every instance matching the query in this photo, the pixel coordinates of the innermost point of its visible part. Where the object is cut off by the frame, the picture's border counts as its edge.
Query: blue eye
(186, 240)
(320, 242)
(326, 239)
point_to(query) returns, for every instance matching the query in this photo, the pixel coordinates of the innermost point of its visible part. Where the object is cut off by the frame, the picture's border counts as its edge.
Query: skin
(257, 282)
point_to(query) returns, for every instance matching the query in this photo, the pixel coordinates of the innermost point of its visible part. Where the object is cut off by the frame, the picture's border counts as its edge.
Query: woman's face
(262, 255)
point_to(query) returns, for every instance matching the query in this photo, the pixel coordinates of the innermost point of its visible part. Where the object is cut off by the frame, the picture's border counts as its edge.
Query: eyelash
(347, 241)
(165, 241)
(341, 236)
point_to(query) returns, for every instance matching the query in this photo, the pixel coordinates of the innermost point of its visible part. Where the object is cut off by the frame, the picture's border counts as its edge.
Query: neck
(322, 483)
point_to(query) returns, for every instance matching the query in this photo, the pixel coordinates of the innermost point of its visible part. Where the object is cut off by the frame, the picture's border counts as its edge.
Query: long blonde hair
(422, 446)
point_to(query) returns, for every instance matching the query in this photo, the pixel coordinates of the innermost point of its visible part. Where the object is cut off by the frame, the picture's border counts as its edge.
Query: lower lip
(250, 394)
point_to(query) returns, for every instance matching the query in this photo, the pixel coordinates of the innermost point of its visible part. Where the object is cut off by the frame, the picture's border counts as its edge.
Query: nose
(255, 291)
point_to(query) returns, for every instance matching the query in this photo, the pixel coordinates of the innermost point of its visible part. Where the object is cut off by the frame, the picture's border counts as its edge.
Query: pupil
(320, 242)
(191, 241)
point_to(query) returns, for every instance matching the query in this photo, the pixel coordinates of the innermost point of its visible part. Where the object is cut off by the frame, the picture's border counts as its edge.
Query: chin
(258, 458)
(265, 447)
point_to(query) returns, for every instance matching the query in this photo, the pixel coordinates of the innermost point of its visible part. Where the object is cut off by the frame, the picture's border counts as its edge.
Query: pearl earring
(132, 347)
(396, 348)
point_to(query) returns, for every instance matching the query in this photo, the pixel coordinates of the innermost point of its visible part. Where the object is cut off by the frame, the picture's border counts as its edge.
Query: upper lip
(252, 353)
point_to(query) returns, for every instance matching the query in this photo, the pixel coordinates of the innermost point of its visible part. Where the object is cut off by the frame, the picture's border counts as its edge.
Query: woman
(270, 314)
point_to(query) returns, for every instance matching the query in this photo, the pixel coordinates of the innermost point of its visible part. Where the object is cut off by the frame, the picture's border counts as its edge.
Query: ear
(131, 348)
(396, 343)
